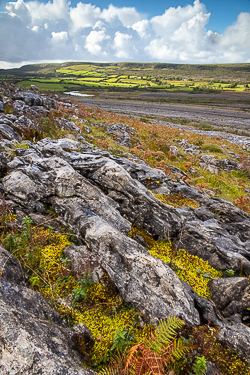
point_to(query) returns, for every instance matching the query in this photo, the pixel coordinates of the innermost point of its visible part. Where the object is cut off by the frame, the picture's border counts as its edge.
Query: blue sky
(178, 31)
(223, 12)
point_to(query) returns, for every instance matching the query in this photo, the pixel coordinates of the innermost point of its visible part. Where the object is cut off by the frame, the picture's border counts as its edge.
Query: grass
(167, 77)
(40, 250)
(151, 143)
(212, 147)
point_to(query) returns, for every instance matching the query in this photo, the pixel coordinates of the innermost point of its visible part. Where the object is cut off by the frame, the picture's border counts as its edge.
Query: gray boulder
(121, 132)
(231, 296)
(33, 338)
(236, 336)
(141, 279)
(29, 98)
(40, 178)
(209, 241)
(7, 132)
(68, 125)
(174, 150)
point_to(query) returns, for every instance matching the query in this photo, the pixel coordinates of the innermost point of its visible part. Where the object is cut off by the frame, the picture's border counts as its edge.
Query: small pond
(76, 93)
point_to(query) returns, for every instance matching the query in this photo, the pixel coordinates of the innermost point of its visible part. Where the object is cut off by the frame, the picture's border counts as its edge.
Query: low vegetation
(122, 344)
(195, 271)
(135, 76)
(151, 142)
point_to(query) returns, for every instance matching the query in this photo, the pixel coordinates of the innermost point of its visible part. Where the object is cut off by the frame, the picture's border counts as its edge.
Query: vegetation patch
(177, 200)
(212, 148)
(113, 323)
(195, 271)
(228, 362)
(146, 76)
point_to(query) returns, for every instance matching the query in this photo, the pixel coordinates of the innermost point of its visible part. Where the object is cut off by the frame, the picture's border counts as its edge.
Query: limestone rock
(213, 165)
(68, 125)
(174, 150)
(231, 296)
(33, 338)
(38, 178)
(141, 279)
(7, 132)
(209, 241)
(236, 336)
(121, 133)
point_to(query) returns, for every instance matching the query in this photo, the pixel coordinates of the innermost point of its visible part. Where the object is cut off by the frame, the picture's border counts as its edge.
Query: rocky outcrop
(121, 133)
(232, 296)
(33, 338)
(7, 129)
(31, 99)
(99, 196)
(236, 336)
(221, 233)
(141, 279)
(110, 188)
(213, 165)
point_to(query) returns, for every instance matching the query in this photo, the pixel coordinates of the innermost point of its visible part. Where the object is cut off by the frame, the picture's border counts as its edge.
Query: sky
(174, 31)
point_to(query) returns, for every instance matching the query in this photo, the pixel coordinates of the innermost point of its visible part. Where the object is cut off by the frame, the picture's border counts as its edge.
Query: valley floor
(225, 111)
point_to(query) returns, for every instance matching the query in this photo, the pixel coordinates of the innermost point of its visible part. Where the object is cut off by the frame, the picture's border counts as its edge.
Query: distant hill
(132, 76)
(195, 71)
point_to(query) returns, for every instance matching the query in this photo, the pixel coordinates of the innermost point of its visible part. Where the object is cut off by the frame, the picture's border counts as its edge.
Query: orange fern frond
(141, 368)
(154, 362)
(131, 360)
(167, 356)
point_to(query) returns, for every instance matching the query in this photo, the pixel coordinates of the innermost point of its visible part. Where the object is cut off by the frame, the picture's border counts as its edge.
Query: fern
(155, 354)
(164, 334)
(115, 368)
(176, 350)
(131, 360)
(153, 363)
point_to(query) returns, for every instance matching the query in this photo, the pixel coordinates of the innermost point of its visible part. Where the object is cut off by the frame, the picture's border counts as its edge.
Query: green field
(132, 76)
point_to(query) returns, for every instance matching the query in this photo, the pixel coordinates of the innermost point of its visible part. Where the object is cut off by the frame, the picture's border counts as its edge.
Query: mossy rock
(177, 200)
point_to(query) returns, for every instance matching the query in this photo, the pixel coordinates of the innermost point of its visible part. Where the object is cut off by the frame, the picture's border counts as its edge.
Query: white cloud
(123, 46)
(40, 12)
(12, 14)
(56, 30)
(62, 36)
(93, 41)
(35, 28)
(84, 15)
(143, 28)
(180, 34)
(173, 18)
(238, 35)
(126, 15)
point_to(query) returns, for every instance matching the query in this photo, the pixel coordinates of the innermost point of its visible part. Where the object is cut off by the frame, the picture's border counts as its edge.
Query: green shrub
(212, 148)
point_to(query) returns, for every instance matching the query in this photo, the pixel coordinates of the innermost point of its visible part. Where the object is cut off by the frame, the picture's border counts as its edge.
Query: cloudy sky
(209, 31)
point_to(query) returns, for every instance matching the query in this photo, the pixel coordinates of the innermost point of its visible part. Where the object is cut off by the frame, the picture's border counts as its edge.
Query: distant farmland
(132, 76)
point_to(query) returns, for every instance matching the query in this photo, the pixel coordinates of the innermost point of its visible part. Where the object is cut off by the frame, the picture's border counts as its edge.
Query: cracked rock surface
(100, 196)
(33, 338)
